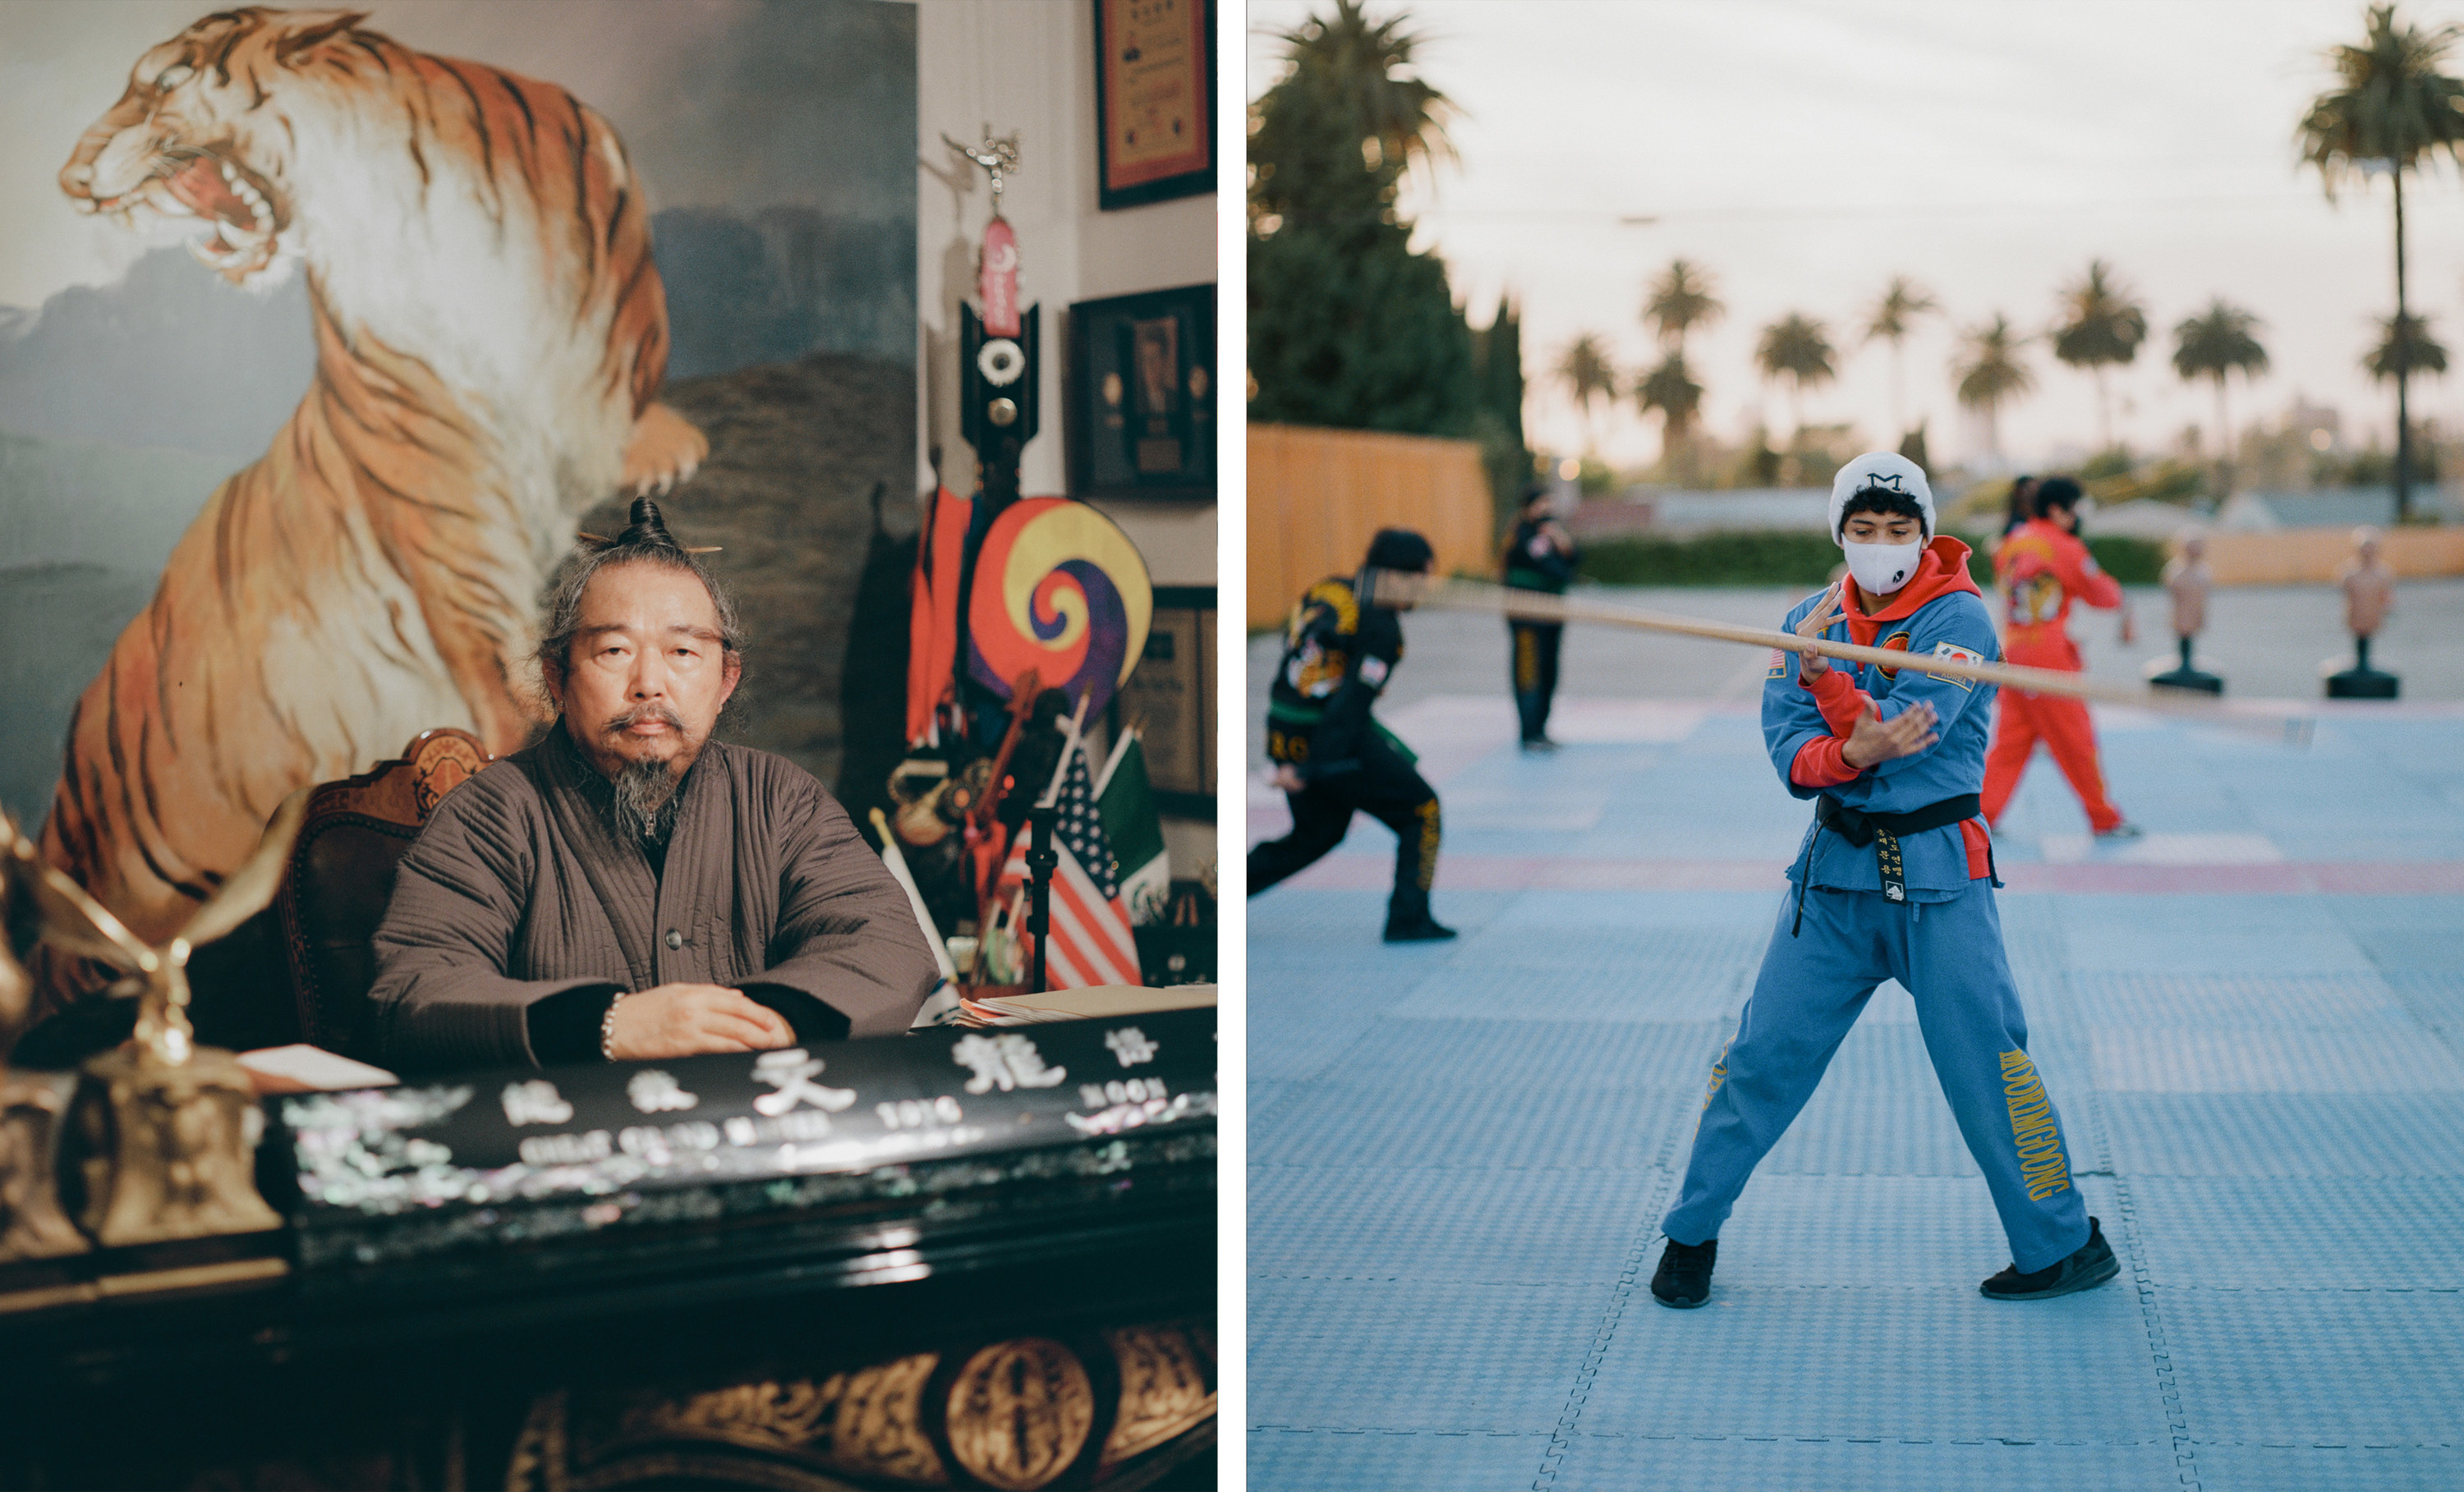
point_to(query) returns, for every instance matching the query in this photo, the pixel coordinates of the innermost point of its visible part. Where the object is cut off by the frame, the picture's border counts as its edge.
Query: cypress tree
(1348, 327)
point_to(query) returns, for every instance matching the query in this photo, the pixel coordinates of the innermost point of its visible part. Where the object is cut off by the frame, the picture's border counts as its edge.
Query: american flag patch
(1372, 671)
(1778, 664)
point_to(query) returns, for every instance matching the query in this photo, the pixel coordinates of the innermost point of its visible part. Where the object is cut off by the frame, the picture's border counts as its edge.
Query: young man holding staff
(1895, 880)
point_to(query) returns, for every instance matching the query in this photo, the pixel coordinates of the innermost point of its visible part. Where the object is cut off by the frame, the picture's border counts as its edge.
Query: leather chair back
(342, 875)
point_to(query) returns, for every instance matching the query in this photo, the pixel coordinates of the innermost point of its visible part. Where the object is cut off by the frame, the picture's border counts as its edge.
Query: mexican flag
(1127, 805)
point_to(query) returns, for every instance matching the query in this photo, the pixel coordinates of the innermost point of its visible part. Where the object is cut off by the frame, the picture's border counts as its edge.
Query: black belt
(1882, 830)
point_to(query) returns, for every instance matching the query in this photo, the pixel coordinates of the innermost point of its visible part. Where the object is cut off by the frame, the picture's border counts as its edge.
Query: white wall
(1029, 66)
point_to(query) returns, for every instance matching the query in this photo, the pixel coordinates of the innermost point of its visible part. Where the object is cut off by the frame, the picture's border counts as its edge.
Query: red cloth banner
(933, 625)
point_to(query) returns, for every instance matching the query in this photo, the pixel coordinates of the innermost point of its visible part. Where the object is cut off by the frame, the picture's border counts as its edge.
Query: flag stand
(1040, 861)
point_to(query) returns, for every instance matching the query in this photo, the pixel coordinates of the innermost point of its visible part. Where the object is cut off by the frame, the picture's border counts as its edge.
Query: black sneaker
(1683, 1277)
(1422, 929)
(1539, 746)
(2092, 1264)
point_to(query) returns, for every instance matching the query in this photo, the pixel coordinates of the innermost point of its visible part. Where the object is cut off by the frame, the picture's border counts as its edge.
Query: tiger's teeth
(228, 174)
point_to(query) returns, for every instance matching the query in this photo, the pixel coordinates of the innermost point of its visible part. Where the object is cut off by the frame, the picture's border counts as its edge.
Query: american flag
(1091, 943)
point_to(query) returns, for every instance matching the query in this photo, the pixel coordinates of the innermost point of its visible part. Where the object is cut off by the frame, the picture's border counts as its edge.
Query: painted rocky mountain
(806, 493)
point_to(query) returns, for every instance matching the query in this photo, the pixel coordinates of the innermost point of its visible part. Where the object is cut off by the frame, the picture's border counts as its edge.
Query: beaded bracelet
(607, 1029)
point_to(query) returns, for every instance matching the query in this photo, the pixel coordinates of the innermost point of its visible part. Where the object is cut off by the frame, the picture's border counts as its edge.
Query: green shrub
(2133, 561)
(1746, 558)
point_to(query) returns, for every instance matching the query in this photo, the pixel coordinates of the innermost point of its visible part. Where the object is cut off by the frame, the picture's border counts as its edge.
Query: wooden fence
(1317, 495)
(2312, 556)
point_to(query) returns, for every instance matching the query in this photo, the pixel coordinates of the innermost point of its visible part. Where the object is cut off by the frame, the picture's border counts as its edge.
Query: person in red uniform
(2042, 567)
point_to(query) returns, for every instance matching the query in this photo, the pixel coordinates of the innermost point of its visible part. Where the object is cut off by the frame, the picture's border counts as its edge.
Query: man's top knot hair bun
(648, 529)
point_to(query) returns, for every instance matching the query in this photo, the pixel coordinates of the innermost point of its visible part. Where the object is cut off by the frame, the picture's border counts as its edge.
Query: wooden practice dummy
(2187, 578)
(2369, 593)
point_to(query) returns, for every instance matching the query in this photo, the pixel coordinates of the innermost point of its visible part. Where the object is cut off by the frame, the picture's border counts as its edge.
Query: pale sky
(1808, 151)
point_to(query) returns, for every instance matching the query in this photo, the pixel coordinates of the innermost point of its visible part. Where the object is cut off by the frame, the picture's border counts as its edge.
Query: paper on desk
(301, 1069)
(1100, 1001)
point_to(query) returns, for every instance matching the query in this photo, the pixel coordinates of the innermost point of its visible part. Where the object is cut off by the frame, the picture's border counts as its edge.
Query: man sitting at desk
(628, 887)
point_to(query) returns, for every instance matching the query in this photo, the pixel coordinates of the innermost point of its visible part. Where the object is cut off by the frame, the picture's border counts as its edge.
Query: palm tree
(1585, 369)
(1402, 114)
(1670, 390)
(1894, 317)
(1991, 374)
(1347, 85)
(1679, 300)
(2220, 341)
(2404, 348)
(2395, 108)
(2103, 324)
(1797, 347)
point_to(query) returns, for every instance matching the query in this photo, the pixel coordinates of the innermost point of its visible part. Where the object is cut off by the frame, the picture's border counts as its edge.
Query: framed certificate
(1142, 382)
(1155, 100)
(1170, 697)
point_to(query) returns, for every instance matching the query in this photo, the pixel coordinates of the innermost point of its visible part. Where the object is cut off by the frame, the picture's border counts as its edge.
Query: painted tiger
(491, 330)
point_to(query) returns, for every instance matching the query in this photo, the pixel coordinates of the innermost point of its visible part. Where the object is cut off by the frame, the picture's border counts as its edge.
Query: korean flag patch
(1957, 654)
(1372, 671)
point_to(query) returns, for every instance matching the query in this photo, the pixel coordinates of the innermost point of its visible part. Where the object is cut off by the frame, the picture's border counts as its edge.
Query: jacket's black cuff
(564, 1027)
(813, 1020)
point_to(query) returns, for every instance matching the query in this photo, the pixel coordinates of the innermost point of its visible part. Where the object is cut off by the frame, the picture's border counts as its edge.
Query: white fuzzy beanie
(1885, 469)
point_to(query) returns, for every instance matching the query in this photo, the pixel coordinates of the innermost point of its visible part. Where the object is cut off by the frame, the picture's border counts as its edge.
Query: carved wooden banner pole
(2246, 715)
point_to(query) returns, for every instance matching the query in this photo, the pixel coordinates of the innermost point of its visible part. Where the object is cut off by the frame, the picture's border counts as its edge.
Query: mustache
(651, 711)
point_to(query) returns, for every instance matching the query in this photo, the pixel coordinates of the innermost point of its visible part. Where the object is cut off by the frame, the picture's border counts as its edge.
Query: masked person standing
(1540, 556)
(2042, 568)
(1332, 757)
(1895, 880)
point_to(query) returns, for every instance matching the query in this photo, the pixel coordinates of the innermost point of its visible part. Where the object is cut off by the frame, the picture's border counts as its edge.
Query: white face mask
(1883, 568)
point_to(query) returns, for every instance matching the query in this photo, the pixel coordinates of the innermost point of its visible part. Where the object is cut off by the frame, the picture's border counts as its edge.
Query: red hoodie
(1940, 571)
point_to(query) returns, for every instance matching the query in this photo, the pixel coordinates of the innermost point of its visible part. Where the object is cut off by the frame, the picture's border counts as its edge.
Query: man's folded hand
(687, 1019)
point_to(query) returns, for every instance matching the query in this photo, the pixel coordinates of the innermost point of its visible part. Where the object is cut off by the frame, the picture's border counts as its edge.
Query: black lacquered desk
(953, 1259)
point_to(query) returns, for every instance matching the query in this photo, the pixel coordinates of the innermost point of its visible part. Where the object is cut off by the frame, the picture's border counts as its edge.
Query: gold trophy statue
(32, 1106)
(169, 1125)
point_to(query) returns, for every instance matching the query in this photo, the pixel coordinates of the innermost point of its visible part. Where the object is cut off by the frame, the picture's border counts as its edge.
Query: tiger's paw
(665, 450)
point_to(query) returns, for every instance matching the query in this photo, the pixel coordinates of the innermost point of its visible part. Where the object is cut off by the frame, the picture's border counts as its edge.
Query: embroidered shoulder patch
(1372, 671)
(1957, 654)
(1897, 642)
(1778, 664)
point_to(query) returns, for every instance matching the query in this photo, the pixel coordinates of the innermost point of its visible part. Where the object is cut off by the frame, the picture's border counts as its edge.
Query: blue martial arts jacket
(1937, 612)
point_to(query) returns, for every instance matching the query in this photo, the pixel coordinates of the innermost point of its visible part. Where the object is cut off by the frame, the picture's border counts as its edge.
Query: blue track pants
(1813, 986)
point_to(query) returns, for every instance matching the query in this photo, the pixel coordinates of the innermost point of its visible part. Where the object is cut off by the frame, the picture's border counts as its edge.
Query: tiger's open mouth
(238, 205)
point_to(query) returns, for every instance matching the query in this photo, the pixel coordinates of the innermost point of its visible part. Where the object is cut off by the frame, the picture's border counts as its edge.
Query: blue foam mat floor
(1460, 1155)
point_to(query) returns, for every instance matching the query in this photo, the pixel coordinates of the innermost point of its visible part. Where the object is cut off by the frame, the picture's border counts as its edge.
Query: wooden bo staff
(1457, 595)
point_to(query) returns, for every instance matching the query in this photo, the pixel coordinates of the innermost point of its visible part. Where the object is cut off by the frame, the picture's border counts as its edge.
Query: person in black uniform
(1332, 757)
(1540, 556)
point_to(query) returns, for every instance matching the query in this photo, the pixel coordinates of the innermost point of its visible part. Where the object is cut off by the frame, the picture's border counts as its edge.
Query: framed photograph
(1169, 698)
(1155, 100)
(1141, 416)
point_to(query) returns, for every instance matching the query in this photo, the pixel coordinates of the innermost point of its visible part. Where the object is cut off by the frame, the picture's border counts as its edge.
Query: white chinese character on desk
(791, 1072)
(653, 1091)
(1131, 1044)
(1004, 1061)
(535, 1102)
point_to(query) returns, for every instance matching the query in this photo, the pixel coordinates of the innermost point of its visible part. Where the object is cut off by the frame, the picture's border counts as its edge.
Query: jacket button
(675, 939)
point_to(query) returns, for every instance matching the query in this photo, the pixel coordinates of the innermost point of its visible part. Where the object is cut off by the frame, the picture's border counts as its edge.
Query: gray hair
(645, 542)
